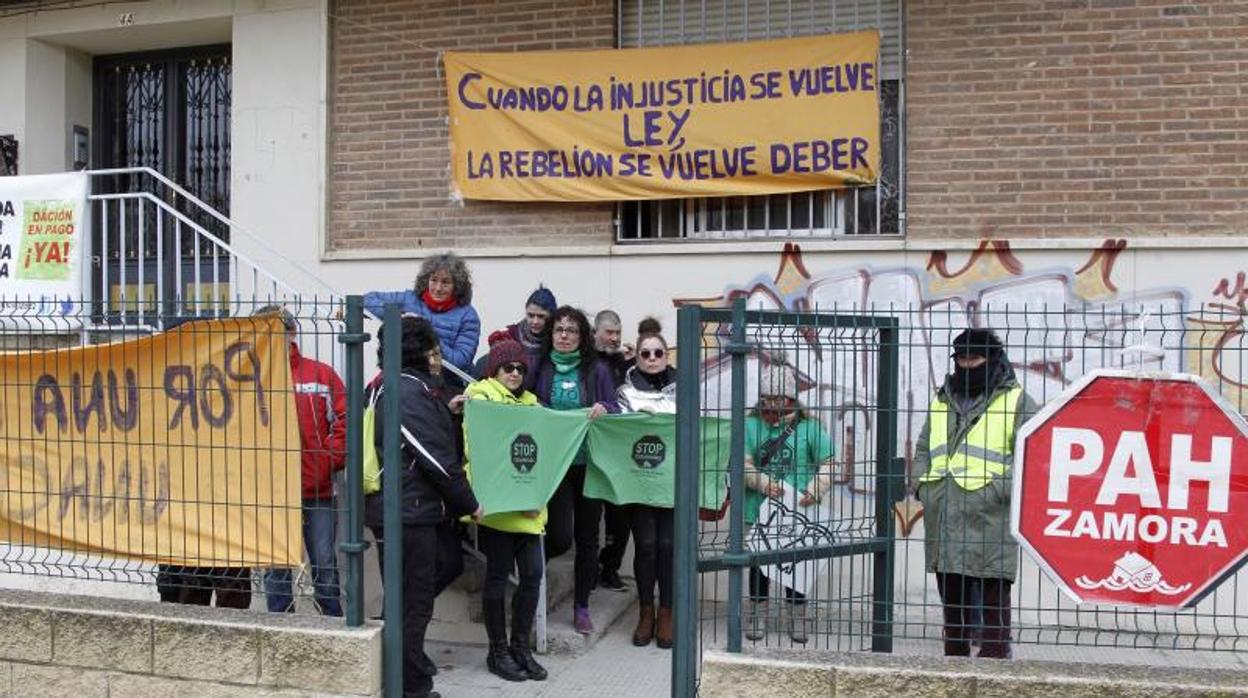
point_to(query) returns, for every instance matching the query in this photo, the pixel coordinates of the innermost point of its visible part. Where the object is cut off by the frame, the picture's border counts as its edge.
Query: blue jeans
(320, 534)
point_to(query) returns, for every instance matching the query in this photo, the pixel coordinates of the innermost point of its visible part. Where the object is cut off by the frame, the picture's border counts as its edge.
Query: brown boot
(664, 633)
(645, 627)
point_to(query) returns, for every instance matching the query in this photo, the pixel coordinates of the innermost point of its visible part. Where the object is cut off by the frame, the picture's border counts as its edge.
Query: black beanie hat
(978, 341)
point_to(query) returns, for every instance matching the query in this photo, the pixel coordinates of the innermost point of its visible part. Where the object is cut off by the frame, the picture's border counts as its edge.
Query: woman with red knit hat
(510, 540)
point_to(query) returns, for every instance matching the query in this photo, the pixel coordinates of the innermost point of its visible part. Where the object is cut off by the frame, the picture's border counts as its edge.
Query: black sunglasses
(514, 368)
(646, 353)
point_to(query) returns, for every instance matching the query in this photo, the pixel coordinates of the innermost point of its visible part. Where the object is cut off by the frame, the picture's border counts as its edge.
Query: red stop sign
(1133, 490)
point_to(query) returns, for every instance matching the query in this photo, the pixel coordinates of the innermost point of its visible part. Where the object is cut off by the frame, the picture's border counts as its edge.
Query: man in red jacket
(321, 405)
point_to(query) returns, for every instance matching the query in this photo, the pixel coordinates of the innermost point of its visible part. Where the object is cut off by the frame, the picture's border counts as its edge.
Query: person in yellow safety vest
(964, 457)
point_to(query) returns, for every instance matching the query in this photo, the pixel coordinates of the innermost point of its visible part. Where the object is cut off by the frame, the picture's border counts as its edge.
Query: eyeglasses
(646, 353)
(569, 331)
(514, 368)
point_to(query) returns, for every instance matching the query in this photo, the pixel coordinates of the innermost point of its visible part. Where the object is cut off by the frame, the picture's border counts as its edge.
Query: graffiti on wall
(1057, 322)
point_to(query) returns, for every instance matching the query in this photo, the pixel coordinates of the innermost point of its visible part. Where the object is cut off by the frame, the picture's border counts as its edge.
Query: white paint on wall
(43, 151)
(79, 97)
(278, 148)
(13, 75)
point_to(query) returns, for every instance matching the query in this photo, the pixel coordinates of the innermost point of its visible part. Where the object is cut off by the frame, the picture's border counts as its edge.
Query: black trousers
(420, 574)
(760, 588)
(652, 557)
(961, 616)
(505, 552)
(573, 517)
(449, 552)
(195, 585)
(618, 526)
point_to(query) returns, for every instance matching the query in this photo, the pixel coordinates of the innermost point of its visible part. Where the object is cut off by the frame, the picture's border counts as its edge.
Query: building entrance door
(170, 111)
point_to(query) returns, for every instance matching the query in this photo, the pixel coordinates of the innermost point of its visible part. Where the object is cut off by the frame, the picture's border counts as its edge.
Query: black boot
(503, 665)
(523, 608)
(499, 660)
(523, 655)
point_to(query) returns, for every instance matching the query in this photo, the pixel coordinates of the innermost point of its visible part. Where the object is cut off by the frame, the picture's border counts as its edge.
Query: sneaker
(611, 580)
(581, 620)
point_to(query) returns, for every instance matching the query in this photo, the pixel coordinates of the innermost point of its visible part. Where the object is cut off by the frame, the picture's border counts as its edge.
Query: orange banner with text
(761, 117)
(179, 448)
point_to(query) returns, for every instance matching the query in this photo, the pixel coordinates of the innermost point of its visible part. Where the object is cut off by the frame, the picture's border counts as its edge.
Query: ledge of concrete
(801, 673)
(77, 644)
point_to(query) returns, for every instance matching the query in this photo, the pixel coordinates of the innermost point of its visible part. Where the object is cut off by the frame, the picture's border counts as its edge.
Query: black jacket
(597, 385)
(434, 484)
(617, 364)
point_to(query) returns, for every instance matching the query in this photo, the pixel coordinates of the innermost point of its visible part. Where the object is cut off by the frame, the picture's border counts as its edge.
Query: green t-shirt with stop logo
(632, 459)
(520, 454)
(795, 461)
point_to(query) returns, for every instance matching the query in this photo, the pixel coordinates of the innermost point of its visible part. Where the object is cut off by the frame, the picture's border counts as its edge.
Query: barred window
(874, 210)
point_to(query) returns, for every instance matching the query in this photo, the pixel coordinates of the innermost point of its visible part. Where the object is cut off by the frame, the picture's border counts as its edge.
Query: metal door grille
(168, 111)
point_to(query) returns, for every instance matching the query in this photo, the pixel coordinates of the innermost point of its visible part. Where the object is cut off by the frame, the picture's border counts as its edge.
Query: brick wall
(388, 149)
(1077, 118)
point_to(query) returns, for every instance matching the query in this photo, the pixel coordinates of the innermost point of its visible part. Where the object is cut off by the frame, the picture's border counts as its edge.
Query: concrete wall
(806, 674)
(86, 647)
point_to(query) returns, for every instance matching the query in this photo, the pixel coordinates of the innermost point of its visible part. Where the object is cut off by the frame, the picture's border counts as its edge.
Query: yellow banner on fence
(762, 117)
(179, 448)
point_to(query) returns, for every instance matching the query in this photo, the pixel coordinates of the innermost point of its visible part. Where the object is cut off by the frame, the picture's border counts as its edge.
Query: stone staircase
(457, 614)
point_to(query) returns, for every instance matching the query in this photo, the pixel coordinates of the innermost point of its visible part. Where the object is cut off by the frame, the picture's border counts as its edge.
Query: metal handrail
(200, 230)
(231, 224)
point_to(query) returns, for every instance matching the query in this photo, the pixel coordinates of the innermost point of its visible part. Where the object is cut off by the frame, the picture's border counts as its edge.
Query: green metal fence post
(886, 480)
(353, 544)
(736, 475)
(392, 522)
(688, 464)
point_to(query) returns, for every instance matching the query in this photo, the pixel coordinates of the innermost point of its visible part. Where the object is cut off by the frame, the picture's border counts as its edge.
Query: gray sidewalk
(612, 667)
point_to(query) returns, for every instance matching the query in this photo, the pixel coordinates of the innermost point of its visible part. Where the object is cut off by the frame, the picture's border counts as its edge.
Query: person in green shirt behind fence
(784, 447)
(510, 540)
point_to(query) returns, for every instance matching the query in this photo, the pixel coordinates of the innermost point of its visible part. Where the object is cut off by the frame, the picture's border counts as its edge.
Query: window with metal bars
(873, 210)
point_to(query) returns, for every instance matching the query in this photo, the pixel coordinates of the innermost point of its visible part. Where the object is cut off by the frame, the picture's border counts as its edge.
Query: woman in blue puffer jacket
(443, 296)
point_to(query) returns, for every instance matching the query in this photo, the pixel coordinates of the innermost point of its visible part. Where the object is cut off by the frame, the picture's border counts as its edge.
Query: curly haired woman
(442, 295)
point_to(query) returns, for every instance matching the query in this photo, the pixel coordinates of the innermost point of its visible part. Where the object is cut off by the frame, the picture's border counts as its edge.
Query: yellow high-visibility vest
(987, 450)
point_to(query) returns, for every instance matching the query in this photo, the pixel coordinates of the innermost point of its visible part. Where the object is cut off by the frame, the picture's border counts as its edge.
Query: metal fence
(111, 450)
(865, 377)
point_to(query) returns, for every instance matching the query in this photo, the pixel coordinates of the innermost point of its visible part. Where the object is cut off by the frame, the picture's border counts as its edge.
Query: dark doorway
(170, 111)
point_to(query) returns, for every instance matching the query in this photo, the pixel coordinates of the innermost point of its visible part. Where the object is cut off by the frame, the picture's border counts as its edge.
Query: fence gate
(770, 397)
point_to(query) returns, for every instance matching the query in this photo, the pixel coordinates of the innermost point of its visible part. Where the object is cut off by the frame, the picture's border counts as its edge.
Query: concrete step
(607, 608)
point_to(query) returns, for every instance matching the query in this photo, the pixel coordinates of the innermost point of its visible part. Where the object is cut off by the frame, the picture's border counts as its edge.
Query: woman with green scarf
(570, 377)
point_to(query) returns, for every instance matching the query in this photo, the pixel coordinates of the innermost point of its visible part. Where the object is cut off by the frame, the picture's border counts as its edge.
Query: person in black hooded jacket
(434, 487)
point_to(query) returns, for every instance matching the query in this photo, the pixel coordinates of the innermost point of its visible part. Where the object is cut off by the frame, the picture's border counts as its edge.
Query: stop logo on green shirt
(796, 460)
